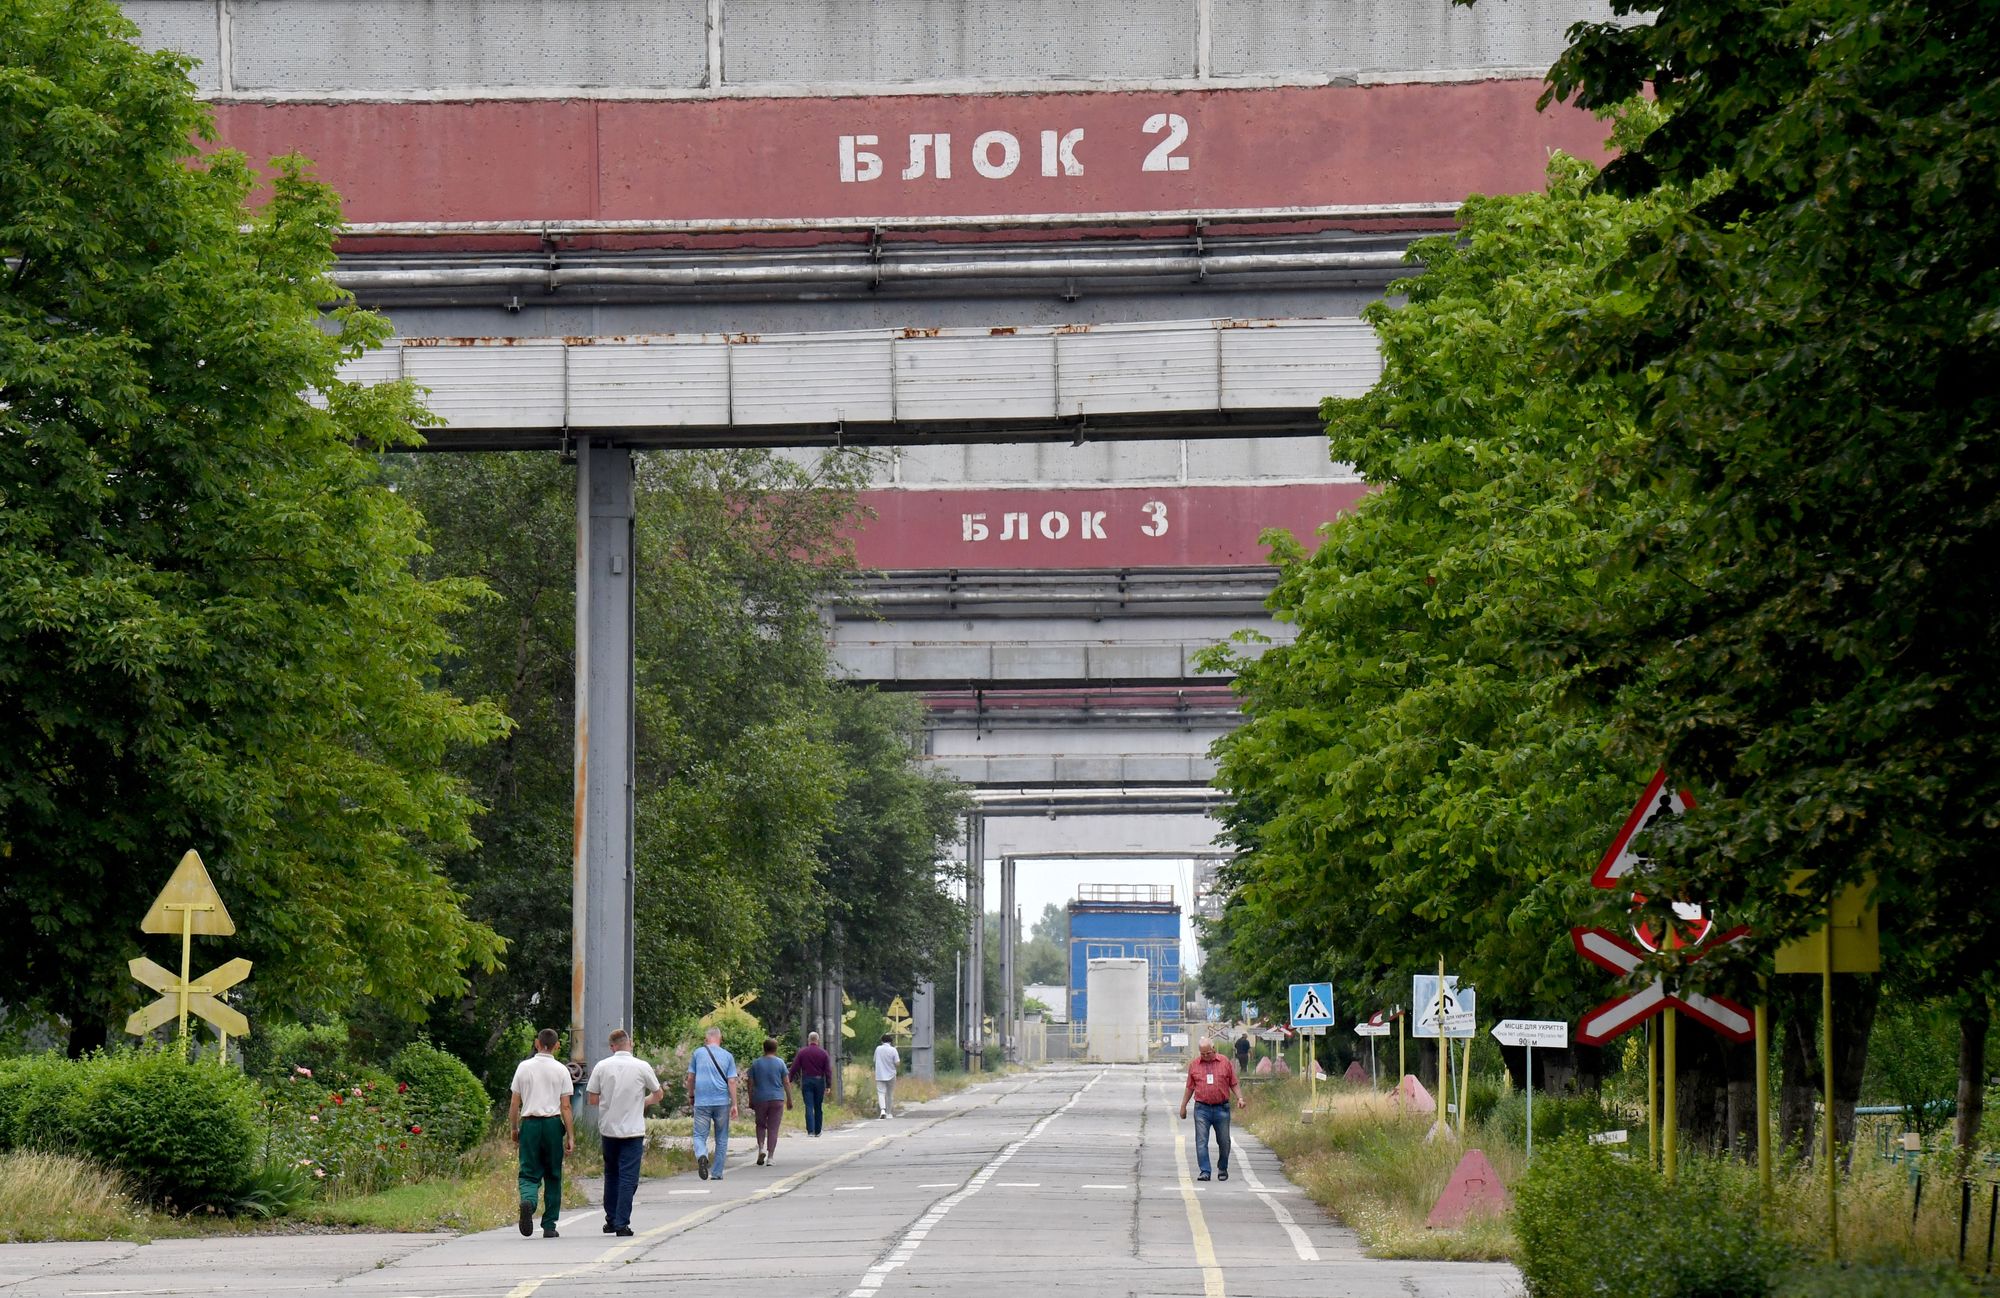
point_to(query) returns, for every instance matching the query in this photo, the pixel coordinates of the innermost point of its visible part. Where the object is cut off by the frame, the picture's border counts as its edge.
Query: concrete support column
(975, 973)
(1009, 942)
(601, 856)
(923, 1032)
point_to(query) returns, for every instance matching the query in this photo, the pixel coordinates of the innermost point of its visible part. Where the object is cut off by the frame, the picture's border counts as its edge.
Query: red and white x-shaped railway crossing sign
(1609, 951)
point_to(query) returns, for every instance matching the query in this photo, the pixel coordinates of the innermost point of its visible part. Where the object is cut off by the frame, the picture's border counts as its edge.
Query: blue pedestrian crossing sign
(1312, 1005)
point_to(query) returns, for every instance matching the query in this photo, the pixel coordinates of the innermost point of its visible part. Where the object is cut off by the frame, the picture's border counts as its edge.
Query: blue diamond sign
(1312, 1005)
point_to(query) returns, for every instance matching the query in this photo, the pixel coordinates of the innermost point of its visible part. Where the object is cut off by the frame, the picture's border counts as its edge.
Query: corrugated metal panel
(1115, 368)
(649, 383)
(983, 375)
(379, 366)
(1272, 363)
(803, 378)
(509, 385)
(877, 375)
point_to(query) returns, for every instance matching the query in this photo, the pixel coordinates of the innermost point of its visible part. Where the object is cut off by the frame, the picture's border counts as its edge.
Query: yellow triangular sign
(191, 893)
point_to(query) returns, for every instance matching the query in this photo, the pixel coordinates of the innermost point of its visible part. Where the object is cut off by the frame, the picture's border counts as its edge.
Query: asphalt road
(1066, 1180)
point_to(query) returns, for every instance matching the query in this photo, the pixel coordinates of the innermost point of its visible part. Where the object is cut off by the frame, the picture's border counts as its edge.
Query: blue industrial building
(1108, 921)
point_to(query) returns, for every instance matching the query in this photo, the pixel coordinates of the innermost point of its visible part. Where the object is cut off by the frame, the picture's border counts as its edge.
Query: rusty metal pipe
(1185, 266)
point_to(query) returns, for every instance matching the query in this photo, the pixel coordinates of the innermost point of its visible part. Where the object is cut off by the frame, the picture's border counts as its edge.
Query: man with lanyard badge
(711, 1083)
(1211, 1081)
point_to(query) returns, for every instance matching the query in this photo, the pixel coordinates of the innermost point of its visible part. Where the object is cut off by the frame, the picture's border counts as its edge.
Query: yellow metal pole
(1826, 1071)
(1312, 1080)
(1402, 1068)
(1670, 1123)
(1652, 1099)
(187, 973)
(1764, 1103)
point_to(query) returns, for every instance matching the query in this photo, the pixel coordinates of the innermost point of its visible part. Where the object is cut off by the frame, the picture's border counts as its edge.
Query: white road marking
(1019, 1185)
(1120, 1186)
(938, 1185)
(688, 1192)
(1301, 1243)
(908, 1242)
(838, 1188)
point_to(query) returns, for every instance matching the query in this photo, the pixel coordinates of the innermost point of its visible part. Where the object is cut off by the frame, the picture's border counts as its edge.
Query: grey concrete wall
(390, 45)
(786, 42)
(188, 27)
(331, 48)
(1344, 37)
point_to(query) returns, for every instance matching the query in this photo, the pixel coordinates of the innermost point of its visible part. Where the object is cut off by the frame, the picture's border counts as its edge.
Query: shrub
(1557, 1117)
(444, 1096)
(14, 1074)
(352, 1139)
(742, 1034)
(1592, 1223)
(321, 1049)
(184, 1133)
(47, 1094)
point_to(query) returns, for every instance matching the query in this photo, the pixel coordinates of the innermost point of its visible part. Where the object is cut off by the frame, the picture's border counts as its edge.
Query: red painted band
(1091, 527)
(781, 158)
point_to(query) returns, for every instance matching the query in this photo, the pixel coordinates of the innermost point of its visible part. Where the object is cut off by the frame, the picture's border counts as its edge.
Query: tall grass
(61, 1197)
(1370, 1165)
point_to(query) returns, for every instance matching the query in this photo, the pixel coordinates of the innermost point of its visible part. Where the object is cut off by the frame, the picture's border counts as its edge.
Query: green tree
(1045, 955)
(1415, 776)
(892, 920)
(1815, 645)
(772, 801)
(210, 633)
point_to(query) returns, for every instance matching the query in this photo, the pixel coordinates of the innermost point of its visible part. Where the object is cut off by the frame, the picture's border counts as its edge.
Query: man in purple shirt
(812, 1069)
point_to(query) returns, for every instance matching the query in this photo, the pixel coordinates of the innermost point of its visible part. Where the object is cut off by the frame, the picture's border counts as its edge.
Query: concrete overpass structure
(1082, 270)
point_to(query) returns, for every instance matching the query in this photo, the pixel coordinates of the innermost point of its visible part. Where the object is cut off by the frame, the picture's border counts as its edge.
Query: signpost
(188, 905)
(1373, 1028)
(1849, 942)
(1690, 928)
(898, 1017)
(1550, 1034)
(1446, 1011)
(1312, 1014)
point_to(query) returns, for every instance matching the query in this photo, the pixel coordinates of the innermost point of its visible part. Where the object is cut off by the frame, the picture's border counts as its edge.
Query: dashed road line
(907, 1244)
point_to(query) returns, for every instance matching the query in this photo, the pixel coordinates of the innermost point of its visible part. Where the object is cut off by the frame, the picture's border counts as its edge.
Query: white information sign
(1371, 1029)
(1541, 1034)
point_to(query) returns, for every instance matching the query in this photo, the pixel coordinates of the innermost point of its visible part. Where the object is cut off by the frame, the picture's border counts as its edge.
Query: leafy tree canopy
(1415, 777)
(210, 633)
(1816, 342)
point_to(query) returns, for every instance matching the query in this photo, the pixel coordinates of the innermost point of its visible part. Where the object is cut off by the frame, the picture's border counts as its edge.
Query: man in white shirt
(538, 1111)
(622, 1087)
(887, 1061)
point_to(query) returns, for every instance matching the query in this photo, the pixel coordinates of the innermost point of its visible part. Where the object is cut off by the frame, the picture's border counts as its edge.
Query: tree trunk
(1798, 1050)
(1855, 1000)
(1972, 1028)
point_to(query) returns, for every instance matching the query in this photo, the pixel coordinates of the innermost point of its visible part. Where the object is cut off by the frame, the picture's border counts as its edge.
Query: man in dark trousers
(1243, 1051)
(1211, 1082)
(538, 1112)
(812, 1069)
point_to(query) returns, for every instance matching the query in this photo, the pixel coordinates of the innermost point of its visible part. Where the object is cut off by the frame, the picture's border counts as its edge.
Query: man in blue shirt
(711, 1083)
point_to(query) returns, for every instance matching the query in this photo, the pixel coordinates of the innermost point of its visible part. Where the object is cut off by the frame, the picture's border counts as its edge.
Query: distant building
(1126, 920)
(1053, 995)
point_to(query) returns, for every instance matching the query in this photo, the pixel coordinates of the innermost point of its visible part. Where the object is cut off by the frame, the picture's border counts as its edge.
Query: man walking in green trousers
(538, 1111)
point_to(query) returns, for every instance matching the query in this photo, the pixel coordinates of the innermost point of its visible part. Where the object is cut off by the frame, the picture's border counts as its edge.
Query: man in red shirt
(1211, 1081)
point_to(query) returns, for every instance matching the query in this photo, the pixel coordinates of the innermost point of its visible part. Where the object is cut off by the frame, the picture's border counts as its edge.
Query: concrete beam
(1022, 771)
